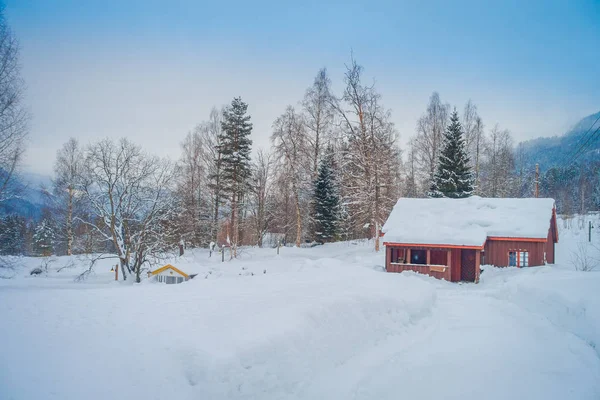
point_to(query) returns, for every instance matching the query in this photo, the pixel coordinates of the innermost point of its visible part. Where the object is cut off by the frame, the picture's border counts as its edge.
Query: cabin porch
(453, 264)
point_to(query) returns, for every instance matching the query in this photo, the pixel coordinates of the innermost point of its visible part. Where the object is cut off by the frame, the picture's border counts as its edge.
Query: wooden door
(468, 265)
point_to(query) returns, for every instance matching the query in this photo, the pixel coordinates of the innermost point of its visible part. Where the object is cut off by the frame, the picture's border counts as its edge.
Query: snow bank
(566, 298)
(226, 338)
(467, 221)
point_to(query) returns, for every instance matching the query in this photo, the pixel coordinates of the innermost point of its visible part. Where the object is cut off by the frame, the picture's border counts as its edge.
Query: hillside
(555, 151)
(30, 199)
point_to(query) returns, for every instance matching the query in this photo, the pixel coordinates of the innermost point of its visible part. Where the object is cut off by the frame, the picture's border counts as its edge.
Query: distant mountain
(30, 199)
(558, 150)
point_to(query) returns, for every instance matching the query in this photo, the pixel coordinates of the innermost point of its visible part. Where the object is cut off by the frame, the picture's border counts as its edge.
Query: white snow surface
(466, 221)
(320, 323)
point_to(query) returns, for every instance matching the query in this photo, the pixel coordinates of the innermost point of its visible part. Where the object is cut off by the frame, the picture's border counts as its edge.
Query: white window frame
(521, 258)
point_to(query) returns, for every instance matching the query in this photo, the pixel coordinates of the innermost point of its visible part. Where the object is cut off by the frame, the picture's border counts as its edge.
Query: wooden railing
(437, 270)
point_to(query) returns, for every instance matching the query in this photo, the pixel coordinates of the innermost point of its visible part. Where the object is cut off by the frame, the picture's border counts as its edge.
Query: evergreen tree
(234, 148)
(13, 235)
(453, 177)
(326, 202)
(43, 238)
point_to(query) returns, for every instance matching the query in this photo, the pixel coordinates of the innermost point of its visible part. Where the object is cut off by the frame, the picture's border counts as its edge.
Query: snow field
(324, 322)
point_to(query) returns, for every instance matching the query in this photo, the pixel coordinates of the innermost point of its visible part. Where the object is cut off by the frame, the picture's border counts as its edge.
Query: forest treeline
(333, 171)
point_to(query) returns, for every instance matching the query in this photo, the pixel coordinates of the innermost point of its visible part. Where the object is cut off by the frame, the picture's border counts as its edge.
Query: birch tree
(429, 138)
(67, 170)
(318, 117)
(411, 187)
(289, 144)
(473, 129)
(477, 142)
(196, 218)
(211, 138)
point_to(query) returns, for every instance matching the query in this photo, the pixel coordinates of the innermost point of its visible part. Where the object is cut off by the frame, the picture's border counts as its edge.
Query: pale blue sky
(151, 70)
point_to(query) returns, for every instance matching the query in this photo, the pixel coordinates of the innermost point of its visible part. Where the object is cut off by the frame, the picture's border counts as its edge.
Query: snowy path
(321, 323)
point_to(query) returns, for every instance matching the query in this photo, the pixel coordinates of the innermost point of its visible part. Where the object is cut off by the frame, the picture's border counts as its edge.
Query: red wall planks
(496, 251)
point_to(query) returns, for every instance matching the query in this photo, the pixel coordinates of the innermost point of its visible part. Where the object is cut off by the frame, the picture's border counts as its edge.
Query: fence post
(590, 231)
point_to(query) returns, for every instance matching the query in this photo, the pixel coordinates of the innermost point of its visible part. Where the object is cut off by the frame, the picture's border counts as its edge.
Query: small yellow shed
(169, 274)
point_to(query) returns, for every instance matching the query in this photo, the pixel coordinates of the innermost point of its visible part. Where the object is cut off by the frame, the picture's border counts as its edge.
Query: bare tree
(473, 129)
(261, 194)
(371, 158)
(13, 115)
(131, 193)
(497, 178)
(67, 170)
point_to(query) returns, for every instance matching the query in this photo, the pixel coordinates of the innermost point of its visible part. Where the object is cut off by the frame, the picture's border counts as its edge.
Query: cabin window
(170, 279)
(418, 256)
(518, 258)
(397, 255)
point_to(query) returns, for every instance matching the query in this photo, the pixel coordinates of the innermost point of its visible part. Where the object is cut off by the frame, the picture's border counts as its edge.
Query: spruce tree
(43, 238)
(13, 238)
(326, 202)
(453, 177)
(234, 149)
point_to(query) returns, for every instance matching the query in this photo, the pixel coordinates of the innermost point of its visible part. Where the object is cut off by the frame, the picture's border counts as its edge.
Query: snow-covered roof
(467, 222)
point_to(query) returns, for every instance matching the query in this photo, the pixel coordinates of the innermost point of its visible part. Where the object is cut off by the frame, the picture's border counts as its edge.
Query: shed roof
(467, 222)
(169, 266)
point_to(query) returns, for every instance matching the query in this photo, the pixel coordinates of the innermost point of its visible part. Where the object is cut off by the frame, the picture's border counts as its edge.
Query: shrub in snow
(36, 271)
(582, 259)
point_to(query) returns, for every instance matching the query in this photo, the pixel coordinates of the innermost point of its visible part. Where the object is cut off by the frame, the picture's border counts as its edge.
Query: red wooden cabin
(450, 238)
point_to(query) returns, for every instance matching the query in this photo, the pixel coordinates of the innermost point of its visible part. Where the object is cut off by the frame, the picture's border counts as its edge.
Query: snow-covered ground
(319, 323)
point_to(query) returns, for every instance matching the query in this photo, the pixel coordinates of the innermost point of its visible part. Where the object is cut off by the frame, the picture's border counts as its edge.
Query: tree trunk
(70, 223)
(298, 222)
(234, 228)
(123, 264)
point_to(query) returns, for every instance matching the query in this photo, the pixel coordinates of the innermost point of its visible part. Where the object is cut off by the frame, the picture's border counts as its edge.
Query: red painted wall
(496, 251)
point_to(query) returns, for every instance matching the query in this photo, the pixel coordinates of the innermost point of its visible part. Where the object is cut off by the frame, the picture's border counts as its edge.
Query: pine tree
(326, 202)
(234, 149)
(453, 177)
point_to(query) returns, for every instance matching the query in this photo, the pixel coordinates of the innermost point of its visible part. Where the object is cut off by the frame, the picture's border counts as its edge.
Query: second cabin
(450, 238)
(169, 275)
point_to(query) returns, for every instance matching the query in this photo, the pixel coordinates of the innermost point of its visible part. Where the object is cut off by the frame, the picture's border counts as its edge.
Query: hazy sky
(151, 70)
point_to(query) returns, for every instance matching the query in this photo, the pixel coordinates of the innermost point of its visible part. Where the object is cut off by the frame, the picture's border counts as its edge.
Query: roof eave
(440, 245)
